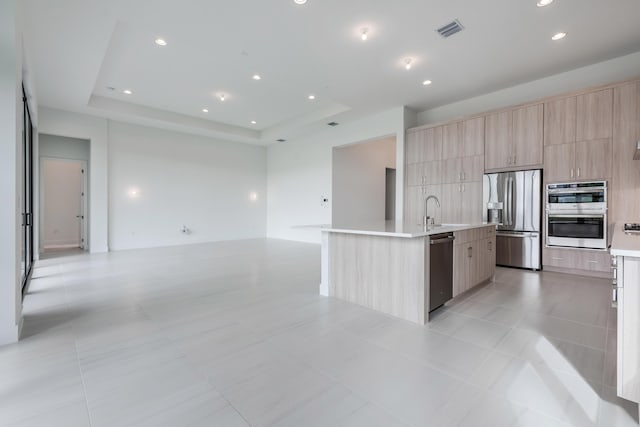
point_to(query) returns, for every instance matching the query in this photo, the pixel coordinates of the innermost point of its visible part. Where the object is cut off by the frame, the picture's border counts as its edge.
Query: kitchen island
(625, 250)
(386, 267)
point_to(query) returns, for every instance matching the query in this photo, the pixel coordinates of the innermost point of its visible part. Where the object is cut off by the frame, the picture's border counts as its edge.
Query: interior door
(63, 204)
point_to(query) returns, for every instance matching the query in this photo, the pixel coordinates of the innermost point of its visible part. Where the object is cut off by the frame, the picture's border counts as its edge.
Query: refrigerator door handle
(506, 202)
(510, 187)
(516, 234)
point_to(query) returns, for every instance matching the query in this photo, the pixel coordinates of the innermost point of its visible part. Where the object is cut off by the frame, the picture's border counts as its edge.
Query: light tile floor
(235, 334)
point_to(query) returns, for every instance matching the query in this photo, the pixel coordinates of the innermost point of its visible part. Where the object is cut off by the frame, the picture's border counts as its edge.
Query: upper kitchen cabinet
(513, 139)
(473, 136)
(498, 138)
(560, 121)
(424, 145)
(594, 115)
(527, 135)
(624, 194)
(452, 142)
(578, 161)
(463, 139)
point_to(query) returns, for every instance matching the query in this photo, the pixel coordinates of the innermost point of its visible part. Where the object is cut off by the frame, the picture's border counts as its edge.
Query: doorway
(63, 206)
(361, 175)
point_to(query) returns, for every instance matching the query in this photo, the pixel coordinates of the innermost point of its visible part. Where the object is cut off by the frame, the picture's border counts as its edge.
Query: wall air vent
(280, 140)
(333, 123)
(450, 29)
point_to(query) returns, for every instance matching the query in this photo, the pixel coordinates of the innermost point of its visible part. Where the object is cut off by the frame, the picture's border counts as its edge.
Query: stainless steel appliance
(576, 215)
(440, 269)
(513, 200)
(631, 228)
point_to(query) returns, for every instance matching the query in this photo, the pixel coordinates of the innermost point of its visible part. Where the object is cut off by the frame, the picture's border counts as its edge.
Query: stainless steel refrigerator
(513, 200)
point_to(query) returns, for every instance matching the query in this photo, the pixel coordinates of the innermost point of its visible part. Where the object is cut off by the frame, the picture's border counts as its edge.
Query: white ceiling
(78, 48)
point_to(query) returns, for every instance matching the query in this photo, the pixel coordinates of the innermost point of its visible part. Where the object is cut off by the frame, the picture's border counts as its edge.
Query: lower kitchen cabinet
(627, 291)
(474, 259)
(577, 260)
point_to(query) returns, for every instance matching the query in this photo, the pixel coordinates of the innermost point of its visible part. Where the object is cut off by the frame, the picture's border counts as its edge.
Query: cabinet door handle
(464, 176)
(459, 176)
(578, 172)
(571, 172)
(490, 245)
(557, 259)
(469, 251)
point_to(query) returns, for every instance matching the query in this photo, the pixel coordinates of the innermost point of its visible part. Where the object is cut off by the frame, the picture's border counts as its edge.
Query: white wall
(605, 72)
(182, 179)
(299, 173)
(61, 147)
(10, 171)
(359, 181)
(94, 129)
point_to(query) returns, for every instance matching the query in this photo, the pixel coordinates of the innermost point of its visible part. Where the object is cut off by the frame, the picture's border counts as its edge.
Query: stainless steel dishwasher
(440, 269)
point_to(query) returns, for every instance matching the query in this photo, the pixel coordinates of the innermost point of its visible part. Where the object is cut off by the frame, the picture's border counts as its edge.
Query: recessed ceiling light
(253, 122)
(364, 34)
(204, 110)
(543, 3)
(256, 77)
(311, 97)
(408, 62)
(222, 97)
(161, 42)
(299, 1)
(127, 92)
(558, 36)
(427, 82)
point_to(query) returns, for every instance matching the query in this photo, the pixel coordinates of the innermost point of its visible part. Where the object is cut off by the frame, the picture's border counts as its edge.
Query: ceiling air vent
(450, 29)
(333, 123)
(280, 140)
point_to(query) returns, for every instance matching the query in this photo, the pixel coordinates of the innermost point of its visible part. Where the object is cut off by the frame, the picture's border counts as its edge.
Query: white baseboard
(62, 246)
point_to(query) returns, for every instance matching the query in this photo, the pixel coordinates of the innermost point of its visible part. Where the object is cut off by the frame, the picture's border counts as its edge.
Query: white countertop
(391, 229)
(625, 244)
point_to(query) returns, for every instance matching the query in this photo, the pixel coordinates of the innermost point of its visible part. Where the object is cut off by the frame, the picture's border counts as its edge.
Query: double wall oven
(576, 215)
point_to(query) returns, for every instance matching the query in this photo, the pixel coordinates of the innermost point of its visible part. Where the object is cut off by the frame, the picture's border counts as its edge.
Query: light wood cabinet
(474, 258)
(576, 260)
(594, 115)
(593, 159)
(465, 169)
(414, 205)
(514, 138)
(424, 173)
(559, 161)
(463, 139)
(424, 145)
(473, 137)
(452, 142)
(462, 203)
(560, 121)
(498, 137)
(585, 160)
(623, 201)
(528, 135)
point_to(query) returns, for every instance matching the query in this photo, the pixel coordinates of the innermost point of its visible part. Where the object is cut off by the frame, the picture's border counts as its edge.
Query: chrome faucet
(426, 218)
